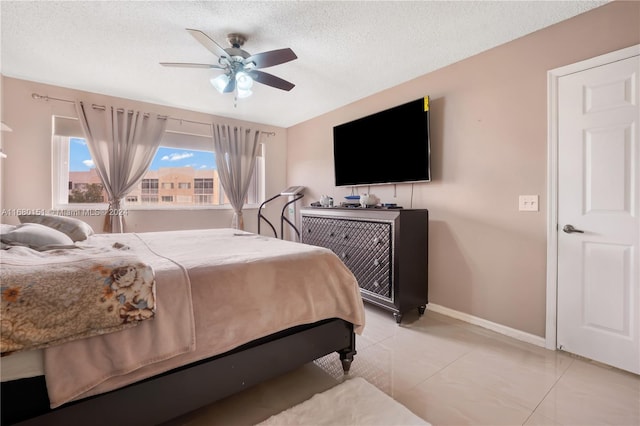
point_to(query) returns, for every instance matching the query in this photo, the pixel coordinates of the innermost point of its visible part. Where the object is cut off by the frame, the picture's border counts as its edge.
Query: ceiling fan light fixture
(220, 82)
(244, 93)
(244, 81)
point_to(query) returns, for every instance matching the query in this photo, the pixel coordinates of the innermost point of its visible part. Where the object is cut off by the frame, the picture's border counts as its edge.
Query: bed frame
(179, 391)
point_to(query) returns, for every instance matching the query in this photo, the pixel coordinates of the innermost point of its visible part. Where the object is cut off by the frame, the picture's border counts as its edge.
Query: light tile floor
(451, 373)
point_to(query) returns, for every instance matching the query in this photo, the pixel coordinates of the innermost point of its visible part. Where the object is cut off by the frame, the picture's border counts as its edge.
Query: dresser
(386, 249)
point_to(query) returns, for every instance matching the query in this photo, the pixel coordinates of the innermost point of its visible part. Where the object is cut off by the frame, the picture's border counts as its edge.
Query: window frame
(65, 128)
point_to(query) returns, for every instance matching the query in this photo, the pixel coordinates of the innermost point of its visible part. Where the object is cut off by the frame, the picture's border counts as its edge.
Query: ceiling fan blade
(271, 80)
(271, 58)
(188, 65)
(208, 42)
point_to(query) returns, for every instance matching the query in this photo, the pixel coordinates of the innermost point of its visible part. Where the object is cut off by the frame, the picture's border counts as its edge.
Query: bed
(231, 309)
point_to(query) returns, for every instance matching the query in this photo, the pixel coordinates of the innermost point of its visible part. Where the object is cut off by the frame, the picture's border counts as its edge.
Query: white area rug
(353, 402)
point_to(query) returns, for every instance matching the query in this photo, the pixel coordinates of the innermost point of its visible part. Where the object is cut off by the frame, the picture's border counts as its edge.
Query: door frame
(553, 77)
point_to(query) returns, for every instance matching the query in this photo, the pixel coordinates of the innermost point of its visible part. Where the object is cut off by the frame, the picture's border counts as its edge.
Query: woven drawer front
(364, 247)
(371, 269)
(365, 235)
(320, 231)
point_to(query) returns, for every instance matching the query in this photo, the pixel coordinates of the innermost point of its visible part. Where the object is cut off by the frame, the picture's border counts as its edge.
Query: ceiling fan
(239, 66)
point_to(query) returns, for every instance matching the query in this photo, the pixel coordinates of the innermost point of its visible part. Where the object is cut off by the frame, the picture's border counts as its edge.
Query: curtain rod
(181, 120)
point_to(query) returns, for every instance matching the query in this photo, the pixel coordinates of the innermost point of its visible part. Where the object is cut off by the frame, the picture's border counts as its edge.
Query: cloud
(88, 163)
(175, 156)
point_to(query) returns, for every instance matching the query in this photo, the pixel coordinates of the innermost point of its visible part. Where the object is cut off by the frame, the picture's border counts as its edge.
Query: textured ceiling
(346, 50)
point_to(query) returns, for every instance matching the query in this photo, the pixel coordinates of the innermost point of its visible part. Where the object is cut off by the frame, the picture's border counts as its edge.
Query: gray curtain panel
(236, 149)
(122, 144)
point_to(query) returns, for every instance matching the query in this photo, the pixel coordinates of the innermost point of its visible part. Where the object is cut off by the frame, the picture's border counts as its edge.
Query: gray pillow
(37, 237)
(74, 228)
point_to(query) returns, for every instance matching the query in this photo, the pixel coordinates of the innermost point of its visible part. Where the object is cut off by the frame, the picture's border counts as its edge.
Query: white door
(598, 284)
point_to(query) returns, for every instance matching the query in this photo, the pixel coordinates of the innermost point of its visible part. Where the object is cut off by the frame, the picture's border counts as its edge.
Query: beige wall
(489, 145)
(26, 173)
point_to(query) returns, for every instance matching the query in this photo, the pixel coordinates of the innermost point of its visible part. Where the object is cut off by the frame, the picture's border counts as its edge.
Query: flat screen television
(390, 146)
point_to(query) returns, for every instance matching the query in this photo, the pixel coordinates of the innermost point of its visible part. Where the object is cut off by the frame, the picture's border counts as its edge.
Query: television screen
(390, 146)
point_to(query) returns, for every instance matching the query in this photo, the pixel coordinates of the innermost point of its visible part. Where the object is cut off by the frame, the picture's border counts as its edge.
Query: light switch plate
(528, 203)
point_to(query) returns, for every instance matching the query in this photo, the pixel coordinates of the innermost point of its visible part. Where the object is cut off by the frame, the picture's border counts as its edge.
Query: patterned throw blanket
(53, 297)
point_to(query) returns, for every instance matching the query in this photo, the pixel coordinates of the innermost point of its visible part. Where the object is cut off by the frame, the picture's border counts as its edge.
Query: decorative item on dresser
(386, 249)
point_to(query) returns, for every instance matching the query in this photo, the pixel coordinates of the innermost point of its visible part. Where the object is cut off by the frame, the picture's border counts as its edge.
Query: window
(178, 176)
(203, 186)
(149, 185)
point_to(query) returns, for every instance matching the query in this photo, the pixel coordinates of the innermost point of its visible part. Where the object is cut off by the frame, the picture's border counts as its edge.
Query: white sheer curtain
(122, 144)
(236, 149)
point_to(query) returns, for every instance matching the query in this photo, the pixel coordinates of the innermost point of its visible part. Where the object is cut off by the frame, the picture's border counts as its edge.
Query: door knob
(569, 229)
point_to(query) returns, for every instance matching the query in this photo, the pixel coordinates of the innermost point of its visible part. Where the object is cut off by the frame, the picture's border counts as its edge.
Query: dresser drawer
(372, 269)
(364, 235)
(367, 235)
(321, 230)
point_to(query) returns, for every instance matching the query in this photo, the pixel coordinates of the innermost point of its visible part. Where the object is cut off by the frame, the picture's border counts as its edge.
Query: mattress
(22, 365)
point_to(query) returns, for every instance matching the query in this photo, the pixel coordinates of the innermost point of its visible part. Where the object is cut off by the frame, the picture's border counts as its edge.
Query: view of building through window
(176, 177)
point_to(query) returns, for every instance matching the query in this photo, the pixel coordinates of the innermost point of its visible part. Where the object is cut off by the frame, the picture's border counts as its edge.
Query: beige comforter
(243, 287)
(51, 297)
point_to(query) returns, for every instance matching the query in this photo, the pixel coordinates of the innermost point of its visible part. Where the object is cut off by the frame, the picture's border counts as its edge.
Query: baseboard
(498, 328)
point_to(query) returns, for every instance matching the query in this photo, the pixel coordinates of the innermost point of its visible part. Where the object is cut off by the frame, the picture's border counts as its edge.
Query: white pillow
(6, 228)
(37, 237)
(74, 228)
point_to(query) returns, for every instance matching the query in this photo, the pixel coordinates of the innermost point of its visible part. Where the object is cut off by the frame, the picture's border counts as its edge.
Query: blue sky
(80, 160)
